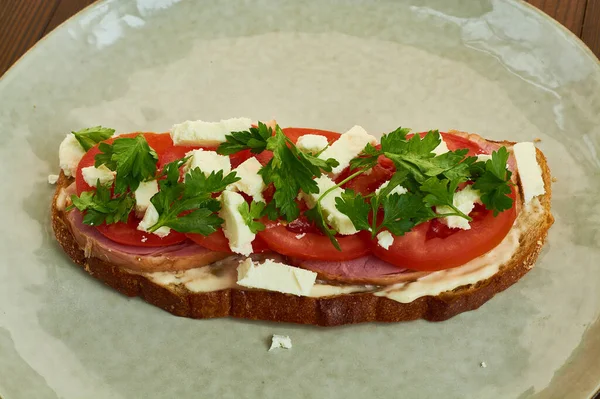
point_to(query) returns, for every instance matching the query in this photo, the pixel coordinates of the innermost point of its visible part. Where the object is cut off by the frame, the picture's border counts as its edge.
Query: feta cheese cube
(348, 146)
(275, 276)
(441, 148)
(250, 182)
(529, 170)
(150, 219)
(70, 153)
(465, 201)
(52, 179)
(91, 175)
(483, 157)
(208, 162)
(207, 133)
(312, 143)
(144, 192)
(336, 219)
(385, 239)
(234, 227)
(396, 190)
(280, 341)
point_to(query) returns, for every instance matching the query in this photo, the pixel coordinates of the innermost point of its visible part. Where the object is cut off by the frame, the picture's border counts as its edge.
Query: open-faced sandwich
(250, 220)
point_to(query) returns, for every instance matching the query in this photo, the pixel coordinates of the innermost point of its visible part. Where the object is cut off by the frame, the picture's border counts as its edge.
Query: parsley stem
(346, 180)
(459, 213)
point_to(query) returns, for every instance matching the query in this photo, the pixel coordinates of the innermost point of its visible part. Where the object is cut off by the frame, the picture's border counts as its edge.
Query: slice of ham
(184, 256)
(489, 146)
(365, 270)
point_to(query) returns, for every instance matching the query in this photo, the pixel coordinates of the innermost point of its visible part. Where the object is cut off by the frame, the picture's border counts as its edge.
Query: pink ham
(365, 270)
(186, 255)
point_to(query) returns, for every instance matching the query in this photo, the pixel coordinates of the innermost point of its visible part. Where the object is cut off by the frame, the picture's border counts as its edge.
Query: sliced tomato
(428, 248)
(312, 245)
(128, 234)
(219, 243)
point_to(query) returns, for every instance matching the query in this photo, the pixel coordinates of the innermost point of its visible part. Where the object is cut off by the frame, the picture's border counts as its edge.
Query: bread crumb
(52, 179)
(539, 242)
(537, 140)
(280, 341)
(482, 365)
(554, 180)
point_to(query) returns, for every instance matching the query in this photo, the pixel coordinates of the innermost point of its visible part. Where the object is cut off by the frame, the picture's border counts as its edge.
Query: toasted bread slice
(322, 311)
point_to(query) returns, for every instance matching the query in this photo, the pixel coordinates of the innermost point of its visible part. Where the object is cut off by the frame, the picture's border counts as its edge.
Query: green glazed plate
(497, 68)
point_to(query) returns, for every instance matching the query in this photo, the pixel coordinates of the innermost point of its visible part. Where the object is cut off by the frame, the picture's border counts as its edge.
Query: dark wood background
(24, 22)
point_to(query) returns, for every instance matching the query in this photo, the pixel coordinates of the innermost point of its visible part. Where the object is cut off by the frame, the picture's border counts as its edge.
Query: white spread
(208, 134)
(250, 182)
(336, 219)
(92, 175)
(312, 143)
(348, 146)
(530, 172)
(70, 153)
(52, 179)
(275, 276)
(234, 227)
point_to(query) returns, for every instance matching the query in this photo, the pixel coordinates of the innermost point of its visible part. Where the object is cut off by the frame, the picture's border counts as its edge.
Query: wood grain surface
(24, 22)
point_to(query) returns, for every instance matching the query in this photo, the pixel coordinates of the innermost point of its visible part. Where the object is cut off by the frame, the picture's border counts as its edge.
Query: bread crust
(325, 311)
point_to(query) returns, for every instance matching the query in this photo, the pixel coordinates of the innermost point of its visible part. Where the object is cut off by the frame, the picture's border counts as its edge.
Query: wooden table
(24, 22)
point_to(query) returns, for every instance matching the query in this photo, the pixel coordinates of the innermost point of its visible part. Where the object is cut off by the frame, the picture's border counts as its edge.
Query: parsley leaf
(290, 171)
(99, 207)
(355, 207)
(132, 159)
(91, 136)
(251, 213)
(494, 182)
(189, 207)
(255, 140)
(315, 215)
(402, 212)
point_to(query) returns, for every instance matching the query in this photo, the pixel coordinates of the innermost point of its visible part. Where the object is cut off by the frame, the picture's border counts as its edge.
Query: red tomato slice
(128, 234)
(219, 243)
(426, 248)
(312, 245)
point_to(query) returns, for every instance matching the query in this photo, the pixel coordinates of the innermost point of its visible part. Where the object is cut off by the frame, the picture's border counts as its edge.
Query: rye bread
(325, 311)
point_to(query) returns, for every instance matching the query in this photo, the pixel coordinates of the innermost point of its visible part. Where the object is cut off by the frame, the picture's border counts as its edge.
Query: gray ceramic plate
(498, 68)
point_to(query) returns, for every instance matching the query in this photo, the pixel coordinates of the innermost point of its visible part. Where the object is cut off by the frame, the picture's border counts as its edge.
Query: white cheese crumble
(280, 341)
(250, 182)
(70, 153)
(396, 190)
(483, 157)
(150, 218)
(207, 133)
(442, 147)
(275, 276)
(530, 172)
(143, 193)
(91, 175)
(336, 219)
(52, 179)
(208, 162)
(300, 236)
(465, 201)
(385, 239)
(312, 143)
(348, 146)
(234, 227)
